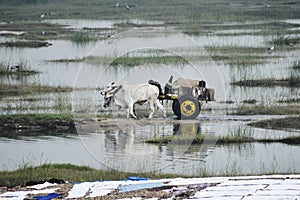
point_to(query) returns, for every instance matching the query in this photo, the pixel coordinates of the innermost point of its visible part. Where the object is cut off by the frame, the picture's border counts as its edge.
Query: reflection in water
(187, 129)
(119, 144)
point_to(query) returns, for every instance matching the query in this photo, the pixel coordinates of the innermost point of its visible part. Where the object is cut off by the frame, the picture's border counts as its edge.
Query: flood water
(122, 146)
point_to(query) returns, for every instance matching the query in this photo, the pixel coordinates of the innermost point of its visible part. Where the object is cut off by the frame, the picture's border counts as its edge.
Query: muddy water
(121, 146)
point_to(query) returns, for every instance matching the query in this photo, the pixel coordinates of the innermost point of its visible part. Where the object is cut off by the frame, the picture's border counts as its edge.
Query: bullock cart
(186, 96)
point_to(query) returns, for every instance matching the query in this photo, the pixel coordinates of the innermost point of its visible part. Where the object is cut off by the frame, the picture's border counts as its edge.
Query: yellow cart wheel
(189, 107)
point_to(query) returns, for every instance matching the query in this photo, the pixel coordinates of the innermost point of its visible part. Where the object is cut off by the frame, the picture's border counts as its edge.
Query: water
(121, 146)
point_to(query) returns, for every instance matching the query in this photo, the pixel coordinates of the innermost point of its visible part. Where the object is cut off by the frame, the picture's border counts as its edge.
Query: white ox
(126, 96)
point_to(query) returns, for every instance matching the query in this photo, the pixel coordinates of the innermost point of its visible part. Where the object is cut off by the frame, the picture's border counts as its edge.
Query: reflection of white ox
(126, 96)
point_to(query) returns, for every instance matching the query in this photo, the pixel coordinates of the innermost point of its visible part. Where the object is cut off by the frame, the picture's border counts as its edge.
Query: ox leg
(131, 111)
(152, 108)
(161, 107)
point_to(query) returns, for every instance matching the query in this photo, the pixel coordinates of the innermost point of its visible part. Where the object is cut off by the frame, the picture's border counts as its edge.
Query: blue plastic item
(48, 197)
(135, 178)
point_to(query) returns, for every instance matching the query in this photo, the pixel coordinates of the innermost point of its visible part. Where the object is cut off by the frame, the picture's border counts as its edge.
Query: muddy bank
(29, 44)
(282, 123)
(41, 123)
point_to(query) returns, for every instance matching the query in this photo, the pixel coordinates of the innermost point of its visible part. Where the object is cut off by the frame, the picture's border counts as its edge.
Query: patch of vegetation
(296, 65)
(240, 50)
(68, 172)
(293, 100)
(283, 40)
(82, 37)
(221, 140)
(30, 44)
(191, 11)
(135, 61)
(249, 101)
(292, 81)
(267, 110)
(36, 31)
(282, 123)
(242, 59)
(67, 60)
(7, 89)
(37, 122)
(199, 139)
(19, 69)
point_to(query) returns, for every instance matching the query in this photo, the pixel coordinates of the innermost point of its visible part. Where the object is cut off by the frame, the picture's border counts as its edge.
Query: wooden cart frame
(186, 95)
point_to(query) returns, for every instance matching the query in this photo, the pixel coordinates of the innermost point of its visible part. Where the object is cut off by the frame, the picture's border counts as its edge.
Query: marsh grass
(282, 123)
(239, 56)
(296, 65)
(283, 40)
(135, 61)
(200, 138)
(12, 90)
(67, 60)
(235, 50)
(82, 37)
(267, 110)
(68, 172)
(250, 101)
(5, 69)
(190, 11)
(291, 81)
(293, 100)
(235, 138)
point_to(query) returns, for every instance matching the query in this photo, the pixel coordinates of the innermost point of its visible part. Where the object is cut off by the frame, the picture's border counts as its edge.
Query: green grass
(250, 101)
(68, 172)
(36, 30)
(267, 110)
(24, 70)
(135, 61)
(282, 123)
(28, 44)
(82, 37)
(239, 56)
(235, 50)
(296, 65)
(223, 140)
(199, 139)
(37, 122)
(169, 11)
(292, 81)
(283, 40)
(6, 89)
(67, 60)
(293, 100)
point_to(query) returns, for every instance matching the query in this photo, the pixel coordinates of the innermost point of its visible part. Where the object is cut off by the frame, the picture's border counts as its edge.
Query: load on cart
(186, 95)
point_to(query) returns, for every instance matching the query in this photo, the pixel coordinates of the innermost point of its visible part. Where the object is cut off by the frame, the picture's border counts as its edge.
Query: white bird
(270, 49)
(127, 7)
(118, 4)
(14, 69)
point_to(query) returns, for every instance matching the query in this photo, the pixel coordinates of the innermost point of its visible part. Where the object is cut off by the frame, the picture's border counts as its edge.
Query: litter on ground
(243, 187)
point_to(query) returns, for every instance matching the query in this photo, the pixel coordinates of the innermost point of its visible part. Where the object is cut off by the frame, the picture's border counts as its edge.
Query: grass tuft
(296, 65)
(67, 172)
(292, 81)
(267, 110)
(135, 61)
(282, 123)
(82, 38)
(23, 69)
